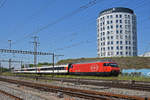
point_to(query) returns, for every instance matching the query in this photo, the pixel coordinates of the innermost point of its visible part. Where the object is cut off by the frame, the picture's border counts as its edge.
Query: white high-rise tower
(116, 33)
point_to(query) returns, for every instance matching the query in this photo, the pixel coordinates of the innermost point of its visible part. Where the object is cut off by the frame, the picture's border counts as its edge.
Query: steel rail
(73, 91)
(134, 85)
(10, 95)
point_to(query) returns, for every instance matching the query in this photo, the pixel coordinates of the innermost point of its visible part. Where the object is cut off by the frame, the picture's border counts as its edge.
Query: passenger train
(94, 69)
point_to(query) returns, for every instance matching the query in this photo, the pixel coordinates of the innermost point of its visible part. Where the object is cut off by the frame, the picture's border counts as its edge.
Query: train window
(106, 64)
(31, 69)
(55, 68)
(113, 65)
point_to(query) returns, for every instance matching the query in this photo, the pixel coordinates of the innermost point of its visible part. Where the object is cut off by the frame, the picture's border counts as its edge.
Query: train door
(70, 66)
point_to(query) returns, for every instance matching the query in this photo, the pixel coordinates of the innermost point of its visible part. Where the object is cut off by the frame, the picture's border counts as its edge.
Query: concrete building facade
(116, 33)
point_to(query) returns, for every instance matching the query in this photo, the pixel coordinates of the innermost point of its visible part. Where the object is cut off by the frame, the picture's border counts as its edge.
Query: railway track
(87, 94)
(10, 95)
(134, 85)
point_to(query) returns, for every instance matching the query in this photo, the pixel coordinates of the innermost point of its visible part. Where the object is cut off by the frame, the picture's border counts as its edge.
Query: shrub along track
(87, 94)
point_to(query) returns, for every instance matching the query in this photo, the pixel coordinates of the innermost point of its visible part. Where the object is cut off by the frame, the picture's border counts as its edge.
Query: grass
(123, 62)
(120, 77)
(136, 78)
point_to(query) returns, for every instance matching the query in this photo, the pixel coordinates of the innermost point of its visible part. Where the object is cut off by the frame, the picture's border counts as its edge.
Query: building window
(116, 21)
(126, 42)
(117, 36)
(120, 26)
(112, 48)
(108, 42)
(129, 53)
(120, 31)
(103, 33)
(126, 32)
(104, 49)
(111, 16)
(111, 37)
(107, 16)
(108, 27)
(117, 47)
(125, 16)
(117, 31)
(111, 26)
(117, 53)
(126, 53)
(121, 37)
(103, 18)
(108, 48)
(129, 48)
(111, 42)
(116, 26)
(121, 47)
(120, 21)
(129, 42)
(103, 23)
(121, 53)
(103, 43)
(107, 22)
(103, 28)
(108, 32)
(117, 42)
(120, 16)
(129, 16)
(128, 21)
(103, 38)
(112, 32)
(111, 21)
(116, 16)
(126, 37)
(120, 42)
(125, 21)
(108, 37)
(126, 47)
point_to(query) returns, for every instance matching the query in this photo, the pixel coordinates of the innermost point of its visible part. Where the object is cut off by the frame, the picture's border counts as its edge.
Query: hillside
(124, 62)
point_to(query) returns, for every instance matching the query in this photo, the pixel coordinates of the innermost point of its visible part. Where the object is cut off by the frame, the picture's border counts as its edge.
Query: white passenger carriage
(58, 69)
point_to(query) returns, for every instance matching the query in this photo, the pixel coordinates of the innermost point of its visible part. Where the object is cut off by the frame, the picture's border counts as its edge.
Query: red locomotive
(95, 69)
(98, 68)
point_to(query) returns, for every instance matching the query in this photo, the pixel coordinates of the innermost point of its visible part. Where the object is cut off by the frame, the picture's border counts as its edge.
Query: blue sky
(74, 36)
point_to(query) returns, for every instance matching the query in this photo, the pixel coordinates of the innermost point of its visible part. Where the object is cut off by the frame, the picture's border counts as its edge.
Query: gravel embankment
(25, 93)
(32, 94)
(95, 88)
(4, 97)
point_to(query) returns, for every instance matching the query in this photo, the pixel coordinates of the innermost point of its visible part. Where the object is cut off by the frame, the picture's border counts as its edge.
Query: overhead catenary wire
(35, 15)
(76, 44)
(2, 3)
(81, 8)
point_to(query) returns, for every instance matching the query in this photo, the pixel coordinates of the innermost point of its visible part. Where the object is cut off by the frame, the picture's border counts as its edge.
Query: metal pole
(10, 58)
(9, 64)
(53, 62)
(35, 51)
(9, 44)
(0, 67)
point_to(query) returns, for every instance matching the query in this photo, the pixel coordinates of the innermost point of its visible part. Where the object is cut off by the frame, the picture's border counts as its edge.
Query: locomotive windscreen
(111, 64)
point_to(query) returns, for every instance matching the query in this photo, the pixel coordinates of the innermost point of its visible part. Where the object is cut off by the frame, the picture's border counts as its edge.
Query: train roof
(98, 61)
(43, 67)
